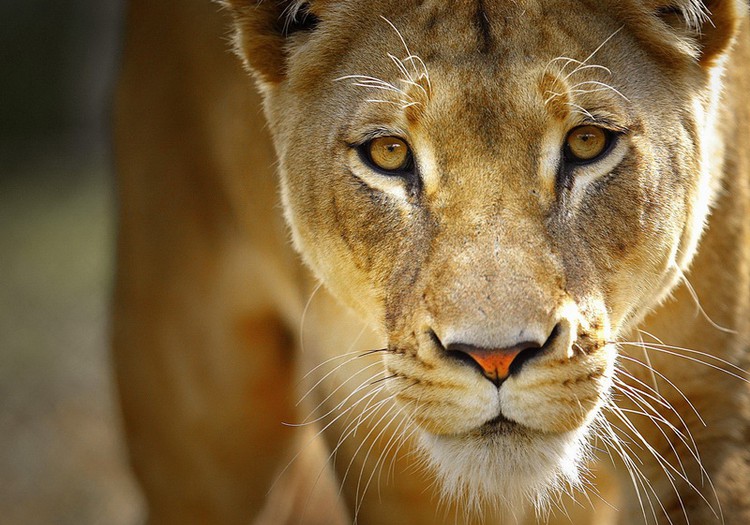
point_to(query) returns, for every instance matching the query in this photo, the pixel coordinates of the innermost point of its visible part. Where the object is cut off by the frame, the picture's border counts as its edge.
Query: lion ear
(706, 28)
(261, 30)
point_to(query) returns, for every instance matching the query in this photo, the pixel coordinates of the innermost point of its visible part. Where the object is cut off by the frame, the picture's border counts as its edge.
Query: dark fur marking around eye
(482, 24)
(431, 22)
(669, 10)
(564, 179)
(303, 20)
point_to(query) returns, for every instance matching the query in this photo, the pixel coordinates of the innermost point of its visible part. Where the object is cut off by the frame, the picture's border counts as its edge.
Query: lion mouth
(499, 425)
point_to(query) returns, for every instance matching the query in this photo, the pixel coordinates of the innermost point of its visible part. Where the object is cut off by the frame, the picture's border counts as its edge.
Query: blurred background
(62, 459)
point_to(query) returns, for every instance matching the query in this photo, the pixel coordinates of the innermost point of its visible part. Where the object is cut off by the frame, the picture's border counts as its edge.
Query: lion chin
(505, 465)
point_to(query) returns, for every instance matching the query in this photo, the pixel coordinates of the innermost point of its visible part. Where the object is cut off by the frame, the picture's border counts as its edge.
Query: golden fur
(631, 273)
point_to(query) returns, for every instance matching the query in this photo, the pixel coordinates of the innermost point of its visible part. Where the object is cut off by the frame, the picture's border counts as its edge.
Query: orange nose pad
(495, 363)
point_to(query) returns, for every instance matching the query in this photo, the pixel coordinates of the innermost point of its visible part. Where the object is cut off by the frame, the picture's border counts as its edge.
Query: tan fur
(491, 246)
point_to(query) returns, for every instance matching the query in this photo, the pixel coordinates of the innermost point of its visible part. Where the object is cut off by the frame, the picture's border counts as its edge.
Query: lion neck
(720, 272)
(720, 278)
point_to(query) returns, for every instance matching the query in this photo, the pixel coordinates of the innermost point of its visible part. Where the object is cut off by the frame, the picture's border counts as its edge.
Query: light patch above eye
(586, 143)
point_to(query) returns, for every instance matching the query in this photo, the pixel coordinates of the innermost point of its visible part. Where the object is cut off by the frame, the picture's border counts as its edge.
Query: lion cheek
(558, 400)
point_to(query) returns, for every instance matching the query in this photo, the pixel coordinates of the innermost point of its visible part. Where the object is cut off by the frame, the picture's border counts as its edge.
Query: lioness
(532, 215)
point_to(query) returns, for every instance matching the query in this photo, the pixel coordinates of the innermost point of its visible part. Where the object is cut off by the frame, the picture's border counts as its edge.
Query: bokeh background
(62, 460)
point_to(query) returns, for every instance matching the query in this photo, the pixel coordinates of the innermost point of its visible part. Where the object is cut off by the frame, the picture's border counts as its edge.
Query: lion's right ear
(261, 30)
(703, 29)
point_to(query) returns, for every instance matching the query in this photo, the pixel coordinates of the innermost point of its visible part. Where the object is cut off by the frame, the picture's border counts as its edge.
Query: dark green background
(61, 456)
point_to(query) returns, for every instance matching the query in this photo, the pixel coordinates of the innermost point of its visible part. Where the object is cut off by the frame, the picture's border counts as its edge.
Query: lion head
(502, 188)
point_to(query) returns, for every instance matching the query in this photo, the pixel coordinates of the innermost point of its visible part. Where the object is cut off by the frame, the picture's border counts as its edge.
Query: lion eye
(586, 143)
(389, 154)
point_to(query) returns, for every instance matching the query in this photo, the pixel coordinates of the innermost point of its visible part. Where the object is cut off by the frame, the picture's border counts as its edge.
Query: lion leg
(306, 491)
(203, 399)
(203, 362)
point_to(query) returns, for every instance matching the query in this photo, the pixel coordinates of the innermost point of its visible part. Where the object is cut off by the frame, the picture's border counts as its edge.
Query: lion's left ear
(262, 29)
(706, 28)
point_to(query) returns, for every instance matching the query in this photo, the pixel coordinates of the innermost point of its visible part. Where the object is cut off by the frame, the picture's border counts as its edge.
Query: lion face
(502, 188)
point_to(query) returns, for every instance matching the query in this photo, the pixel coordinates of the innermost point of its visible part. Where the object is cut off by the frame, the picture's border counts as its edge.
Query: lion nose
(494, 363)
(497, 364)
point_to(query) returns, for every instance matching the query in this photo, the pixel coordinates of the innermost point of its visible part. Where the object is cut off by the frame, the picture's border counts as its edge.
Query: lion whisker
(661, 344)
(580, 109)
(389, 446)
(303, 447)
(403, 42)
(308, 422)
(580, 64)
(696, 299)
(669, 350)
(367, 79)
(636, 395)
(583, 67)
(336, 358)
(304, 316)
(411, 433)
(406, 78)
(630, 391)
(386, 378)
(656, 419)
(331, 372)
(553, 96)
(353, 425)
(668, 381)
(403, 438)
(416, 85)
(671, 472)
(613, 442)
(561, 71)
(374, 470)
(381, 87)
(332, 454)
(399, 104)
(363, 442)
(587, 91)
(656, 396)
(610, 37)
(602, 85)
(651, 370)
(425, 74)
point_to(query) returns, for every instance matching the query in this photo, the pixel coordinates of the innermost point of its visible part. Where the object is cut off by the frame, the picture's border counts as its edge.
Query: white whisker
(696, 299)
(665, 378)
(580, 109)
(583, 67)
(304, 316)
(674, 351)
(602, 85)
(610, 37)
(338, 367)
(374, 470)
(401, 67)
(316, 436)
(671, 472)
(403, 42)
(641, 485)
(642, 396)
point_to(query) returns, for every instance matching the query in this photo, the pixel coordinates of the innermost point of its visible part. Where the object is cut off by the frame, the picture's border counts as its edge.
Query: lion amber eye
(389, 153)
(585, 143)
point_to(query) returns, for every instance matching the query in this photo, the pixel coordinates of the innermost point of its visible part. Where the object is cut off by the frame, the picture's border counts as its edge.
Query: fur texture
(496, 238)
